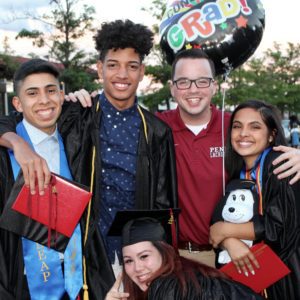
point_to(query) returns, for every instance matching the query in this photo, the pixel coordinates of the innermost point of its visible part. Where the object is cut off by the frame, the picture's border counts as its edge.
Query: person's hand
(242, 257)
(114, 291)
(82, 96)
(217, 234)
(291, 166)
(33, 166)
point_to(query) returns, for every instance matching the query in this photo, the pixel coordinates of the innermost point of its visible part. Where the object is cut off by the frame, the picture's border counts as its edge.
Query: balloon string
(225, 78)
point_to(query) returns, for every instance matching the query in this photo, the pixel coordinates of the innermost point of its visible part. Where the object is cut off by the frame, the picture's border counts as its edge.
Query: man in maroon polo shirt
(197, 130)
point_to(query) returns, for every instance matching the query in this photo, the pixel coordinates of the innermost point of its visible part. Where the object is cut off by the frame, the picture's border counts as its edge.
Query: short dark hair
(195, 54)
(270, 116)
(33, 66)
(124, 34)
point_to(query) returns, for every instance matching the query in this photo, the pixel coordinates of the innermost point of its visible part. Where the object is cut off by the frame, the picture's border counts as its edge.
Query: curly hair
(123, 34)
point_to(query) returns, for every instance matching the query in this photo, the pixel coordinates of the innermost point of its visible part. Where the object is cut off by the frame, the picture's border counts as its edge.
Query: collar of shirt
(196, 129)
(45, 145)
(36, 135)
(108, 108)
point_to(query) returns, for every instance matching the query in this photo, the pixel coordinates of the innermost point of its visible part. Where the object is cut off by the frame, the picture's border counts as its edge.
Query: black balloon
(229, 31)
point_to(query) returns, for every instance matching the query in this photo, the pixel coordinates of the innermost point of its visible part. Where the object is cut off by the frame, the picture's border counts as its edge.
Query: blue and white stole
(256, 174)
(42, 264)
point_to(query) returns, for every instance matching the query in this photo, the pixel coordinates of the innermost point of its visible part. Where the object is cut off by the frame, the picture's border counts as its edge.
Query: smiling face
(121, 72)
(141, 261)
(239, 206)
(193, 103)
(40, 100)
(249, 135)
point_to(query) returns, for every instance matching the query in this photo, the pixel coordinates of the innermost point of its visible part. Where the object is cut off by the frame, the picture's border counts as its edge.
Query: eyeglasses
(185, 83)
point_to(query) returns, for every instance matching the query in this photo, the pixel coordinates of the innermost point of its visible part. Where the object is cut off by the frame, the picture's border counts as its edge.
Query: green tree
(8, 66)
(67, 27)
(157, 69)
(275, 77)
(79, 79)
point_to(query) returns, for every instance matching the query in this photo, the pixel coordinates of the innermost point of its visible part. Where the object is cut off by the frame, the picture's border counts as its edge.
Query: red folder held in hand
(60, 208)
(272, 268)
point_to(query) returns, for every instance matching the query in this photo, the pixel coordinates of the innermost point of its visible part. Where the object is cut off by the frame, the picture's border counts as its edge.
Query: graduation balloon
(229, 31)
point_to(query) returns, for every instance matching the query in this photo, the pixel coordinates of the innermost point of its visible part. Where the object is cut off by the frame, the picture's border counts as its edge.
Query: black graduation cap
(236, 184)
(146, 225)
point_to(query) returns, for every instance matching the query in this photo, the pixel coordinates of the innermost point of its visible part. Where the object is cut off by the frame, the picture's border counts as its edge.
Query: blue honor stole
(42, 264)
(256, 174)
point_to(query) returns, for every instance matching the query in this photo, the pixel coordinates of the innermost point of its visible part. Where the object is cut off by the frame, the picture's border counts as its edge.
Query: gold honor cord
(144, 123)
(85, 286)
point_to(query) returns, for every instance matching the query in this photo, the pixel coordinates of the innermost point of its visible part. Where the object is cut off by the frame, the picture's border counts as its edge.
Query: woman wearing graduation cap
(153, 269)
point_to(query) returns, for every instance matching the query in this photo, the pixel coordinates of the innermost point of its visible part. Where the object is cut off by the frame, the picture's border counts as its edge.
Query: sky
(281, 19)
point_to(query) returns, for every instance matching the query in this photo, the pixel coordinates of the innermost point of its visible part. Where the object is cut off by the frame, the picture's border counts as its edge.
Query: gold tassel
(85, 292)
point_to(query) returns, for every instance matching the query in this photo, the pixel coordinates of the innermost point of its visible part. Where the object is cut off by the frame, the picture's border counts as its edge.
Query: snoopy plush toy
(239, 205)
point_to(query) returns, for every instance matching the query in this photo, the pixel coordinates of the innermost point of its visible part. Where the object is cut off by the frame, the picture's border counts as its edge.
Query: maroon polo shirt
(199, 172)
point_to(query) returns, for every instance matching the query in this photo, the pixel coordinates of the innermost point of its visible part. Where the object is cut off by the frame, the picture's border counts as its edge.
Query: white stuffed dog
(239, 208)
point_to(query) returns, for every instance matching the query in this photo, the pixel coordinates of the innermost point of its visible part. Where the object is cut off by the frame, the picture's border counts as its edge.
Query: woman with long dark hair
(154, 270)
(254, 129)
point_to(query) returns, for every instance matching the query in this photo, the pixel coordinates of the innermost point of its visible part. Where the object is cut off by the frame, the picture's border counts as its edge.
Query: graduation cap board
(146, 225)
(50, 219)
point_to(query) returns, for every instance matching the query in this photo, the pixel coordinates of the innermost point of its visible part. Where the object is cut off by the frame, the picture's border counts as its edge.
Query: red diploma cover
(60, 208)
(50, 219)
(272, 268)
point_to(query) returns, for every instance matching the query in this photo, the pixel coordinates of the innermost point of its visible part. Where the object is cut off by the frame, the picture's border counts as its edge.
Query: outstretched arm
(291, 166)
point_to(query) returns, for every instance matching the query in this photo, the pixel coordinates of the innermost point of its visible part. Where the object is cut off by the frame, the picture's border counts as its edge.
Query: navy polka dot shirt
(119, 136)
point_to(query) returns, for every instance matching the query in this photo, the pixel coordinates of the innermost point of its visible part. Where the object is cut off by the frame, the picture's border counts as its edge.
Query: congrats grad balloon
(229, 31)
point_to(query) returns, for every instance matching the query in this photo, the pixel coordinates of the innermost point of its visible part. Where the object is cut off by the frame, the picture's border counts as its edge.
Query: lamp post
(5, 88)
(3, 97)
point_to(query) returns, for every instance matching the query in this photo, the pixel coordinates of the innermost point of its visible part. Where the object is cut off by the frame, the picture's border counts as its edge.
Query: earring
(270, 139)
